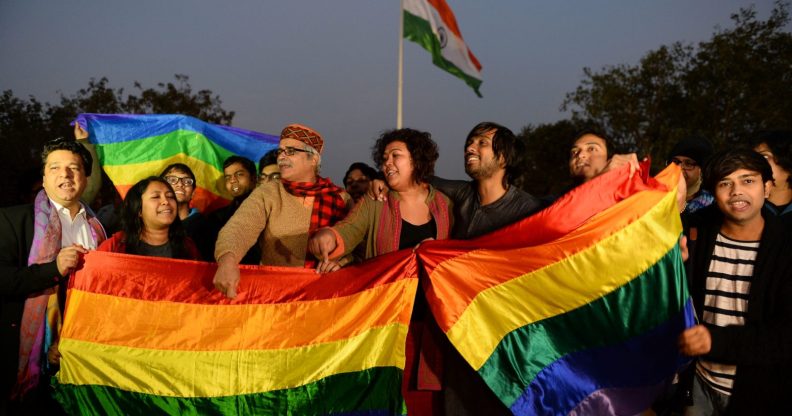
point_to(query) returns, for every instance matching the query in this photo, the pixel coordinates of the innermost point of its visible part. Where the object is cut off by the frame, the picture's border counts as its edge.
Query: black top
(471, 219)
(162, 250)
(411, 235)
(205, 236)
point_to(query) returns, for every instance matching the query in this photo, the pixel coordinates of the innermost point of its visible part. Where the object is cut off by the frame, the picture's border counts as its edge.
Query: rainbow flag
(134, 146)
(151, 336)
(575, 310)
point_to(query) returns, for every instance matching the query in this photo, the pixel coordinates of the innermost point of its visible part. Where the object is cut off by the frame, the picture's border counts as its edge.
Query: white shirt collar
(63, 210)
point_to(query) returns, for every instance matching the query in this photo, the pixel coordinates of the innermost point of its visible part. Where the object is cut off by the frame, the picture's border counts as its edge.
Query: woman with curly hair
(413, 212)
(150, 224)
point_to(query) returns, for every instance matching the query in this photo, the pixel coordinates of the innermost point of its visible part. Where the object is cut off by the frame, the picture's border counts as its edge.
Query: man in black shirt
(490, 201)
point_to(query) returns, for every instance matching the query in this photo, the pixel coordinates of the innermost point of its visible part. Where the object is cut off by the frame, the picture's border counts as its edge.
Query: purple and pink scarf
(42, 316)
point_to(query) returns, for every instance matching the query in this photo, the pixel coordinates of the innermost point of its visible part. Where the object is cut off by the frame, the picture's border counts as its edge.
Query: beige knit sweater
(278, 220)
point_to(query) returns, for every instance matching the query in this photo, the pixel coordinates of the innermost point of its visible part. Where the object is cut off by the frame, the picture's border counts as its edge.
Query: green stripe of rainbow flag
(133, 146)
(153, 335)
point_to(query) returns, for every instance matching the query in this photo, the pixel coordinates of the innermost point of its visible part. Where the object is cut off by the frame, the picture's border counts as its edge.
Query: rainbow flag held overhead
(575, 310)
(145, 335)
(431, 24)
(134, 146)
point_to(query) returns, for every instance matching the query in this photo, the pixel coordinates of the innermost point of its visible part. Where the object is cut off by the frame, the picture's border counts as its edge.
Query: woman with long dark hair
(150, 225)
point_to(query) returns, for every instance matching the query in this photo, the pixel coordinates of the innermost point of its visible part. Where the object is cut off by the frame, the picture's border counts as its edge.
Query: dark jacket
(471, 219)
(17, 281)
(762, 348)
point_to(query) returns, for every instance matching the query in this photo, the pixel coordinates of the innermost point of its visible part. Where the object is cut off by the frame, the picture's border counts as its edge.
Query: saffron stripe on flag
(186, 326)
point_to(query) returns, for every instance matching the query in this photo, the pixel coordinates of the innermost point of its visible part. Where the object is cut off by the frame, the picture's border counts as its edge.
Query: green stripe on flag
(640, 305)
(161, 147)
(419, 31)
(376, 390)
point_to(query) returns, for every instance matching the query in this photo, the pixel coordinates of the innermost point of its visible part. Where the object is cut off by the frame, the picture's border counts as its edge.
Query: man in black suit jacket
(66, 167)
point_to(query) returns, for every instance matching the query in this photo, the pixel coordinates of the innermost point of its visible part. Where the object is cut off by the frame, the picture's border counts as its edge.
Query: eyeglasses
(289, 151)
(173, 180)
(684, 164)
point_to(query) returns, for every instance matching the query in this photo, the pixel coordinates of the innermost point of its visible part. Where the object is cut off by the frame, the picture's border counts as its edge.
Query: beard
(484, 170)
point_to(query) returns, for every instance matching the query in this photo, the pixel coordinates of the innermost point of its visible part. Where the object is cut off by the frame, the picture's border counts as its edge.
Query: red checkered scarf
(328, 208)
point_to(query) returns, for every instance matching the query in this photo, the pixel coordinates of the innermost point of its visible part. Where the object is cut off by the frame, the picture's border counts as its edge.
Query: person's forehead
(355, 173)
(234, 168)
(155, 186)
(589, 139)
(396, 144)
(485, 134)
(59, 156)
(177, 172)
(291, 143)
(740, 174)
(683, 158)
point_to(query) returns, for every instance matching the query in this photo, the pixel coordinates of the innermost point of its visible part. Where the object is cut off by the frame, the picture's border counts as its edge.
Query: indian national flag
(431, 24)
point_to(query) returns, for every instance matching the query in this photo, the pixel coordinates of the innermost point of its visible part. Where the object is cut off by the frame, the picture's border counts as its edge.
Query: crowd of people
(736, 241)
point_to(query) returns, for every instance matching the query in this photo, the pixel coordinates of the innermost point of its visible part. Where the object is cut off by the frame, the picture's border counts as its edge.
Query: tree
(726, 88)
(25, 125)
(545, 169)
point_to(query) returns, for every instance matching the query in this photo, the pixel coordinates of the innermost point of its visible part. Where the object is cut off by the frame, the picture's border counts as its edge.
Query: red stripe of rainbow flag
(575, 309)
(153, 335)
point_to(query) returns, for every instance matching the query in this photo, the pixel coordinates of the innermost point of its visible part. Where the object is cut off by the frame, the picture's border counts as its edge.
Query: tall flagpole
(400, 86)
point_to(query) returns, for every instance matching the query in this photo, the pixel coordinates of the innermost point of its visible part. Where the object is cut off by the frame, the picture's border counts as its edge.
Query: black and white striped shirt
(726, 299)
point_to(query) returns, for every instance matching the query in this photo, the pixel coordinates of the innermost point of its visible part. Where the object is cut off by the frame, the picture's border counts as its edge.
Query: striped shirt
(726, 300)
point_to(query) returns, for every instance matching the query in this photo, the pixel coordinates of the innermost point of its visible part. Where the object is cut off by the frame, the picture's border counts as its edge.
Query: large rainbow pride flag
(152, 336)
(134, 146)
(575, 310)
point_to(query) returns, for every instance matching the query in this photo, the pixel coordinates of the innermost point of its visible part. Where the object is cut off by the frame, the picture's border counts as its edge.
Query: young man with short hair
(239, 175)
(740, 271)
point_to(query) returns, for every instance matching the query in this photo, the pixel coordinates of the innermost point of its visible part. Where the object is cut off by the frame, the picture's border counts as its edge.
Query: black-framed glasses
(289, 151)
(684, 164)
(186, 181)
